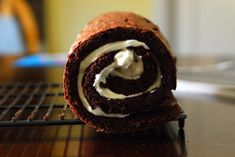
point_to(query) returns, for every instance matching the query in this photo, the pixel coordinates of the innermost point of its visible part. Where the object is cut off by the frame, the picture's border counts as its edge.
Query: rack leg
(181, 123)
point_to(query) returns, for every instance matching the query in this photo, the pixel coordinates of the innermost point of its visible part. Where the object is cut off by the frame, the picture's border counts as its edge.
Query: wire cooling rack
(24, 104)
(34, 104)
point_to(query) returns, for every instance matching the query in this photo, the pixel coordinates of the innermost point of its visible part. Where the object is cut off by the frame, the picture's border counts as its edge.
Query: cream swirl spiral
(123, 66)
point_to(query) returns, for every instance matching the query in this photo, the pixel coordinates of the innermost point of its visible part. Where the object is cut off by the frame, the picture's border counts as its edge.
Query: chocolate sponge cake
(119, 74)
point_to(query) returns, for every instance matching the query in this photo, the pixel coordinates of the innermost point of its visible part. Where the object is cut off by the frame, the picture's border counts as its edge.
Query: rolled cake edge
(83, 44)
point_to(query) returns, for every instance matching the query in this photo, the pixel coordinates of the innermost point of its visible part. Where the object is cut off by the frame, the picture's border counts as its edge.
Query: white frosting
(123, 59)
(134, 69)
(123, 66)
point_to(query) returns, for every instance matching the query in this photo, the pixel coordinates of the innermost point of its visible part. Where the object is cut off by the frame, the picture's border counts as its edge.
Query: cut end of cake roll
(119, 74)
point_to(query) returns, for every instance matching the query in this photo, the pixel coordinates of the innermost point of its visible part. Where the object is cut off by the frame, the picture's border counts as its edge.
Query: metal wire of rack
(34, 104)
(31, 104)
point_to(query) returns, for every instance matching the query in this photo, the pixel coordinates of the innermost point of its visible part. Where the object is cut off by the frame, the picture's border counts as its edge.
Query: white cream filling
(133, 67)
(122, 66)
(123, 59)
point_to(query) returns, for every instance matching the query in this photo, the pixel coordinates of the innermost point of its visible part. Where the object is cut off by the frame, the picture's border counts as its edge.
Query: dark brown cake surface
(142, 111)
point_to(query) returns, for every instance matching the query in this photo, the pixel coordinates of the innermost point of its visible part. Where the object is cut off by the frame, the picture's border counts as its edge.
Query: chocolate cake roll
(119, 74)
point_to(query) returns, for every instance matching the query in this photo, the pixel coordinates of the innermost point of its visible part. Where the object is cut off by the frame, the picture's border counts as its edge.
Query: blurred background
(39, 33)
(193, 27)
